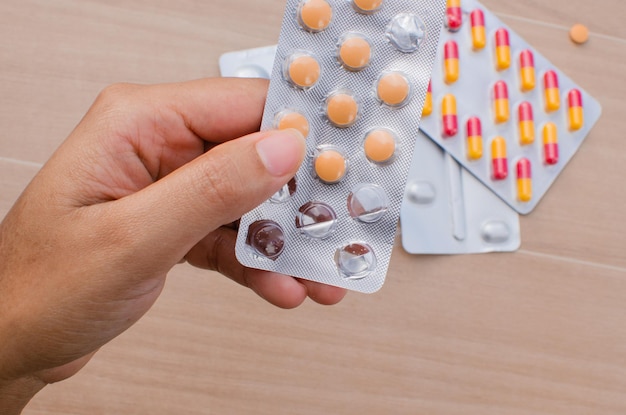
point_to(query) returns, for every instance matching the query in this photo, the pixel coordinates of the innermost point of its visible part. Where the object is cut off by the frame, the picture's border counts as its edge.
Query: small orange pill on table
(342, 109)
(579, 34)
(315, 15)
(330, 166)
(304, 71)
(295, 120)
(367, 6)
(380, 146)
(355, 53)
(393, 89)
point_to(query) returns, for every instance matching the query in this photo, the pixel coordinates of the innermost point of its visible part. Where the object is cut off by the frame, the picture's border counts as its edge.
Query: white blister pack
(446, 210)
(352, 75)
(502, 109)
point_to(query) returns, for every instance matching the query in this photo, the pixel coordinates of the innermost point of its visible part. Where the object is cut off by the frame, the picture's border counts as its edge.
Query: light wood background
(539, 331)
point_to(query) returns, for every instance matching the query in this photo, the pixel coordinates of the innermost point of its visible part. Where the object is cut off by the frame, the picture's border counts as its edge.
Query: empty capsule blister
(352, 75)
(486, 72)
(446, 210)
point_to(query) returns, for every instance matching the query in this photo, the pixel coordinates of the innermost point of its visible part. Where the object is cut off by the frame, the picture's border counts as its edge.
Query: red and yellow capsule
(428, 103)
(550, 143)
(503, 49)
(451, 61)
(474, 139)
(454, 15)
(526, 124)
(527, 70)
(524, 180)
(499, 161)
(576, 115)
(450, 120)
(479, 37)
(552, 93)
(501, 102)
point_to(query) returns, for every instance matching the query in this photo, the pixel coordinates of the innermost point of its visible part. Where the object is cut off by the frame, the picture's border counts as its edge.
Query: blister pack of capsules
(446, 210)
(352, 76)
(502, 109)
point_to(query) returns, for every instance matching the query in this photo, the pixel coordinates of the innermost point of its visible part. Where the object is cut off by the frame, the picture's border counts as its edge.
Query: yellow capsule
(576, 115)
(526, 124)
(503, 50)
(553, 95)
(474, 139)
(428, 103)
(451, 62)
(479, 37)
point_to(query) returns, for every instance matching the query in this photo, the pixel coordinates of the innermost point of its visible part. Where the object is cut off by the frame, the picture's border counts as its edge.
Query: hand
(150, 176)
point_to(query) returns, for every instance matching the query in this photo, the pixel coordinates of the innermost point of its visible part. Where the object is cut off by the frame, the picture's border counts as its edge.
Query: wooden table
(538, 331)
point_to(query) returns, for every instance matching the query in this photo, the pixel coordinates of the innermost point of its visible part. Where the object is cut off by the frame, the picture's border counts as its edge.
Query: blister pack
(352, 75)
(444, 201)
(446, 210)
(502, 109)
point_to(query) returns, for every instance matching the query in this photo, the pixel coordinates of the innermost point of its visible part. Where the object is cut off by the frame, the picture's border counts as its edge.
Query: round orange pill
(393, 89)
(355, 53)
(315, 15)
(380, 146)
(304, 71)
(579, 33)
(291, 119)
(342, 109)
(367, 6)
(330, 166)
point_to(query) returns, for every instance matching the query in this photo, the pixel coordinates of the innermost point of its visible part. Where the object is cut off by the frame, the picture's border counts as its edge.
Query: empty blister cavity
(368, 203)
(289, 118)
(251, 71)
(330, 164)
(356, 260)
(316, 220)
(314, 15)
(354, 51)
(302, 69)
(341, 109)
(266, 238)
(285, 193)
(406, 32)
(393, 89)
(421, 193)
(380, 146)
(495, 232)
(367, 6)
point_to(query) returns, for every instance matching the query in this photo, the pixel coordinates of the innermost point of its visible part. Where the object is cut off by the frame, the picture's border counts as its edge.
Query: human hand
(150, 176)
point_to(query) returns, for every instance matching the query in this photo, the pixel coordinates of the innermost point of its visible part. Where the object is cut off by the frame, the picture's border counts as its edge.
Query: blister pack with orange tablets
(352, 76)
(502, 109)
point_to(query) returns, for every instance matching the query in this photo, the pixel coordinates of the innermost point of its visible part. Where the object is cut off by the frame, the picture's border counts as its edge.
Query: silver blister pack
(356, 72)
(502, 109)
(446, 210)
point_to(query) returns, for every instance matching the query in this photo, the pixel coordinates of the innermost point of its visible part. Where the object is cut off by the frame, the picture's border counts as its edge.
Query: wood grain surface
(538, 331)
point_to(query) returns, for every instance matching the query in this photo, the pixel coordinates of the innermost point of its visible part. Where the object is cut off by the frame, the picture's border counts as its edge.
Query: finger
(217, 252)
(236, 105)
(214, 189)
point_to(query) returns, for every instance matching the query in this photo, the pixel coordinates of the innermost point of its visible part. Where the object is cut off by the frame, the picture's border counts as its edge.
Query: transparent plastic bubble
(406, 32)
(314, 15)
(316, 220)
(355, 261)
(380, 146)
(495, 232)
(393, 89)
(251, 71)
(367, 203)
(341, 108)
(421, 193)
(354, 51)
(289, 118)
(285, 193)
(367, 6)
(266, 238)
(330, 164)
(302, 69)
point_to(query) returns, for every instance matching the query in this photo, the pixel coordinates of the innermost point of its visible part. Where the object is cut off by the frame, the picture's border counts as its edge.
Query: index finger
(215, 109)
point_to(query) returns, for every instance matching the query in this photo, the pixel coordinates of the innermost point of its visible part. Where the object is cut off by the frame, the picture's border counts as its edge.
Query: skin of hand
(151, 175)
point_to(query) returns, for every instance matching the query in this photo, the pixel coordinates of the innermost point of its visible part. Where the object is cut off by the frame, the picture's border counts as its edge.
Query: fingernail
(281, 151)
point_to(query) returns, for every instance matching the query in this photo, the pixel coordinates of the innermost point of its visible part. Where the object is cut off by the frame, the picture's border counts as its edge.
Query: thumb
(217, 188)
